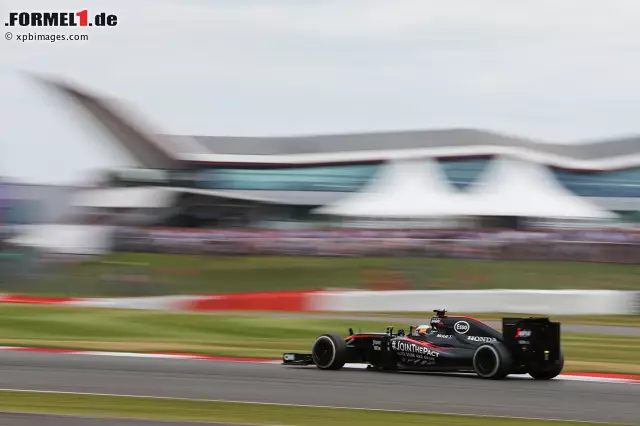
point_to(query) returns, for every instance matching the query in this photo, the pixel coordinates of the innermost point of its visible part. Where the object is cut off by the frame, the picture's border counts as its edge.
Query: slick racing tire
(547, 372)
(492, 361)
(329, 352)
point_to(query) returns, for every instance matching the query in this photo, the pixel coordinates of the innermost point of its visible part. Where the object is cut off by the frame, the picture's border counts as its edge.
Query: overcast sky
(560, 70)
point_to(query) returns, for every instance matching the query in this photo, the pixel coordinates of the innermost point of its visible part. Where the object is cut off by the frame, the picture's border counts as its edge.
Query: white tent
(67, 239)
(402, 189)
(126, 198)
(512, 187)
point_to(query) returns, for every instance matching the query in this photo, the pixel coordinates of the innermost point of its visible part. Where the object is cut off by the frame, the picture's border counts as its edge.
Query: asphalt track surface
(273, 383)
(27, 419)
(619, 330)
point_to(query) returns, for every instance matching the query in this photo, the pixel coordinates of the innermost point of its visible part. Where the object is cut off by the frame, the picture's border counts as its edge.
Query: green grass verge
(238, 335)
(232, 412)
(616, 320)
(181, 274)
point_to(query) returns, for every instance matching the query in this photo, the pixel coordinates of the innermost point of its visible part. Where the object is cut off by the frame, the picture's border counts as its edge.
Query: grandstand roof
(414, 139)
(156, 150)
(381, 146)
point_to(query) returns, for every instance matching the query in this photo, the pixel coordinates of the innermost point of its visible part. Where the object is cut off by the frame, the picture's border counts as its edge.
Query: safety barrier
(541, 302)
(292, 301)
(566, 302)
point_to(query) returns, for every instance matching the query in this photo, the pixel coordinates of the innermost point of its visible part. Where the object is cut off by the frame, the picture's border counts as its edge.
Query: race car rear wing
(532, 339)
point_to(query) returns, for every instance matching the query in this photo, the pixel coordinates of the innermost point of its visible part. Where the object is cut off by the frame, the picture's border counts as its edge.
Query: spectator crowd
(613, 246)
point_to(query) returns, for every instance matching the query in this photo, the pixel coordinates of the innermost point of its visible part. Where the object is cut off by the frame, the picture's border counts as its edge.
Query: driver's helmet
(436, 323)
(422, 330)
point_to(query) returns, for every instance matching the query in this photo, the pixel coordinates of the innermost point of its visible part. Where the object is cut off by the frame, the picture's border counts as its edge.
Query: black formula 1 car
(448, 344)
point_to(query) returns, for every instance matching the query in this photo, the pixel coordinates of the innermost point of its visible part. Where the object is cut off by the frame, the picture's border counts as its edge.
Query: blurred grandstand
(442, 179)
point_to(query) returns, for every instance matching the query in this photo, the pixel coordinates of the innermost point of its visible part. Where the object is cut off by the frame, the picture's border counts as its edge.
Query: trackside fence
(535, 302)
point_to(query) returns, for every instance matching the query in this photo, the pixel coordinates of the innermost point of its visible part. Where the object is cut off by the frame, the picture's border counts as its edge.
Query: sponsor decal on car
(420, 361)
(408, 349)
(481, 339)
(445, 336)
(523, 333)
(289, 357)
(461, 327)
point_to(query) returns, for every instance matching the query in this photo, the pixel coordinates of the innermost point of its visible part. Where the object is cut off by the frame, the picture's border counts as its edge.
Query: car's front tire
(492, 361)
(547, 372)
(329, 352)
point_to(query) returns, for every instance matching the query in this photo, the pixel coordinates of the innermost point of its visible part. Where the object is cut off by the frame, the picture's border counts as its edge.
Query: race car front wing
(297, 359)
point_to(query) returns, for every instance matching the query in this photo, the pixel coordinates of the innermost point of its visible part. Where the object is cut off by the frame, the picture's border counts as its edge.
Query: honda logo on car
(481, 339)
(412, 348)
(461, 327)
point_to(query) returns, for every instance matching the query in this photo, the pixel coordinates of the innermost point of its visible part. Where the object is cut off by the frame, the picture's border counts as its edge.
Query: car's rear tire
(492, 361)
(329, 352)
(547, 372)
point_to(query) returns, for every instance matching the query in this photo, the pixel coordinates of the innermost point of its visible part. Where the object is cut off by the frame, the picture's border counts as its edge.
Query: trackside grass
(129, 274)
(238, 335)
(231, 412)
(617, 320)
